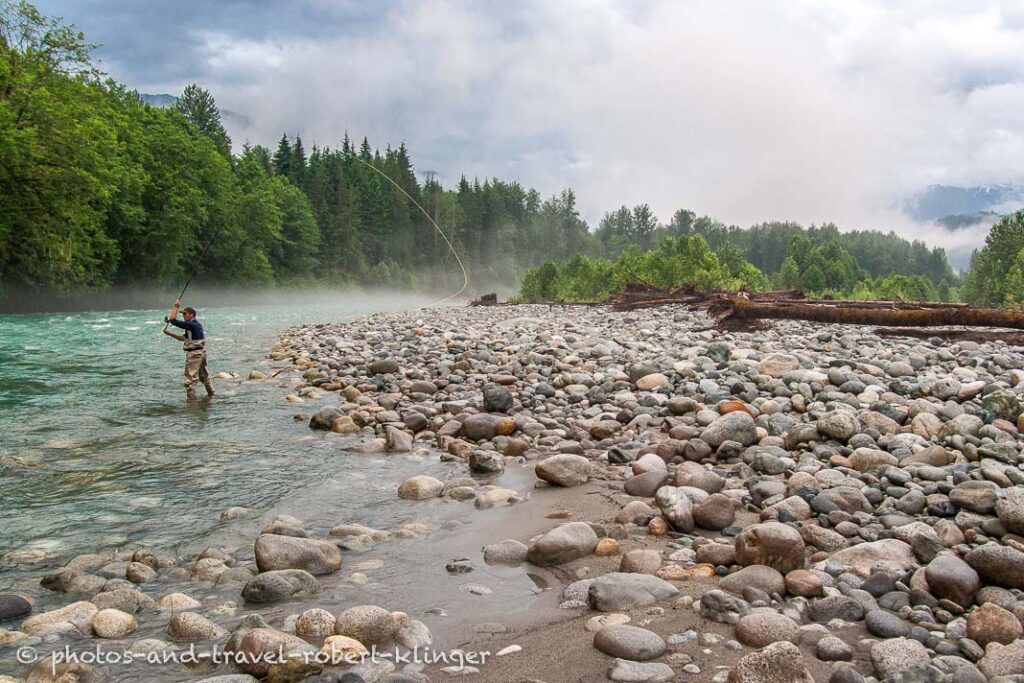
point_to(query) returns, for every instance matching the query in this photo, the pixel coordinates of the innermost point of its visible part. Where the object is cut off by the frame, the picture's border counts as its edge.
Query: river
(101, 453)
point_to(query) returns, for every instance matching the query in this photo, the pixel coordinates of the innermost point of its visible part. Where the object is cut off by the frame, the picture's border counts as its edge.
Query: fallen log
(897, 314)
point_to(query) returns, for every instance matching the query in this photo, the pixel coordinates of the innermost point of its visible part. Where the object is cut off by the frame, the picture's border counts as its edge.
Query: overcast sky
(747, 111)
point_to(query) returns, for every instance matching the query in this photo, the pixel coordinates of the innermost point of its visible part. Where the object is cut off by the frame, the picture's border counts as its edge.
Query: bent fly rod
(433, 223)
(451, 247)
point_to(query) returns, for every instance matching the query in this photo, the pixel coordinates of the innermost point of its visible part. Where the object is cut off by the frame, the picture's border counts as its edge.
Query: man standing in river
(194, 343)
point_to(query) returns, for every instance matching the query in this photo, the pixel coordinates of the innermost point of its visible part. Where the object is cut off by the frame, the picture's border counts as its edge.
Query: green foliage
(198, 106)
(995, 276)
(905, 288)
(678, 261)
(99, 189)
(59, 167)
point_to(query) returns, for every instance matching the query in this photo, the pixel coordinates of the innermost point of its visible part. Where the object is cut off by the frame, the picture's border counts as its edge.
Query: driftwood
(743, 310)
(892, 314)
(485, 300)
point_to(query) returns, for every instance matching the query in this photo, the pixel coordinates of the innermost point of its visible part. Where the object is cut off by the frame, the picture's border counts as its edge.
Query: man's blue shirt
(193, 330)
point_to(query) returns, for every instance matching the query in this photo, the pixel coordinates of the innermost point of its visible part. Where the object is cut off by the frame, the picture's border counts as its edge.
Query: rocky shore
(805, 503)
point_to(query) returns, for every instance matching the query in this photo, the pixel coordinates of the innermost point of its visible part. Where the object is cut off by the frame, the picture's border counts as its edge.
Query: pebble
(851, 477)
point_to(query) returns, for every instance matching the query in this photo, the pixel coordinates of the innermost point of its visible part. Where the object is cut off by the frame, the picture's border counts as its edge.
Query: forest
(101, 190)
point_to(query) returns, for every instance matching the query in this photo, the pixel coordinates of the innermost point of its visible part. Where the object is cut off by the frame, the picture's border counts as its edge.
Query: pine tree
(297, 164)
(283, 157)
(198, 106)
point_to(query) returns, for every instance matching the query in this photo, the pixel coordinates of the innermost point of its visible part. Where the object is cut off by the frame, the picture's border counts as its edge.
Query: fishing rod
(465, 275)
(195, 268)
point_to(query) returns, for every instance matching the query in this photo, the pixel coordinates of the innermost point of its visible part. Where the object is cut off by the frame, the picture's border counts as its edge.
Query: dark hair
(189, 309)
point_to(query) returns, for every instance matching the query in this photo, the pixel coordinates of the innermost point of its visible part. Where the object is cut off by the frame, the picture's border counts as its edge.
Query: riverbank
(626, 496)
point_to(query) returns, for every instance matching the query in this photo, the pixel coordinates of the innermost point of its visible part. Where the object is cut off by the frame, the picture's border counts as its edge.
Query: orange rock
(838, 461)
(732, 405)
(607, 547)
(991, 623)
(1005, 425)
(702, 571)
(506, 426)
(658, 526)
(803, 583)
(673, 572)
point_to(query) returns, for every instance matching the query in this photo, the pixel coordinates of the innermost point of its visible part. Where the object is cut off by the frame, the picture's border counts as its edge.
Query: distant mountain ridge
(163, 101)
(960, 206)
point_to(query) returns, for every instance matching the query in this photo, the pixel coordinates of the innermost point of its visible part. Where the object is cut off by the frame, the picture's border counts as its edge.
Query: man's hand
(174, 311)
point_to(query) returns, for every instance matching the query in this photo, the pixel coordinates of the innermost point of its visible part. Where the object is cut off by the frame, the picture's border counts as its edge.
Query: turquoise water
(101, 453)
(99, 448)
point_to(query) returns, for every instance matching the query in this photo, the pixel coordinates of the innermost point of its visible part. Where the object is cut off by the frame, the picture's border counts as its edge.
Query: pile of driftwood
(748, 309)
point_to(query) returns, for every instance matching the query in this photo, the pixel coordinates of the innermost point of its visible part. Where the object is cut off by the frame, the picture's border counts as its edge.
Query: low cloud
(745, 111)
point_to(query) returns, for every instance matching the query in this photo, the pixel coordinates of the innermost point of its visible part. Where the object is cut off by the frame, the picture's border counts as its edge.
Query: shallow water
(99, 447)
(101, 453)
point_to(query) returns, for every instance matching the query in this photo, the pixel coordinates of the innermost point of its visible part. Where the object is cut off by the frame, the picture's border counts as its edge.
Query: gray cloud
(746, 111)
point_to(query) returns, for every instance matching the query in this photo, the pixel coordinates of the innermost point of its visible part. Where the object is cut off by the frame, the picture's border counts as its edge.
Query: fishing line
(465, 275)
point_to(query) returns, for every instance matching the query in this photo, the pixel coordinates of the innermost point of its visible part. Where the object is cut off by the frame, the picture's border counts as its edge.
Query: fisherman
(194, 343)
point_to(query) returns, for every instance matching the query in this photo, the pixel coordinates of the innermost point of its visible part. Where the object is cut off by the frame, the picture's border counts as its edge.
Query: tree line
(632, 246)
(100, 189)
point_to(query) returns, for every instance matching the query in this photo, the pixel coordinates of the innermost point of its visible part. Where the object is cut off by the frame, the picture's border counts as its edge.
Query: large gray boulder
(564, 469)
(480, 427)
(998, 564)
(617, 591)
(282, 584)
(1010, 509)
(736, 426)
(894, 655)
(562, 544)
(839, 425)
(889, 555)
(497, 399)
(676, 507)
(950, 577)
(275, 552)
(629, 642)
(772, 544)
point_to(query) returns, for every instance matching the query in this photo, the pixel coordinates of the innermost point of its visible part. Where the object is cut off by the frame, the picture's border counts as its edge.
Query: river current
(99, 449)
(101, 453)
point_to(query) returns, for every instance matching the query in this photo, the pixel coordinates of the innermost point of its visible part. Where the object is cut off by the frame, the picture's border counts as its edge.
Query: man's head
(188, 313)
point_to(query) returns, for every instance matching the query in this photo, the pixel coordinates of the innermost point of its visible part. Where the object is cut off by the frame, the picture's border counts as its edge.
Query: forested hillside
(100, 189)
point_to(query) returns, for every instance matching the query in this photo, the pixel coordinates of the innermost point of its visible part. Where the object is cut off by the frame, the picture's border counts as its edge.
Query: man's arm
(174, 310)
(179, 337)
